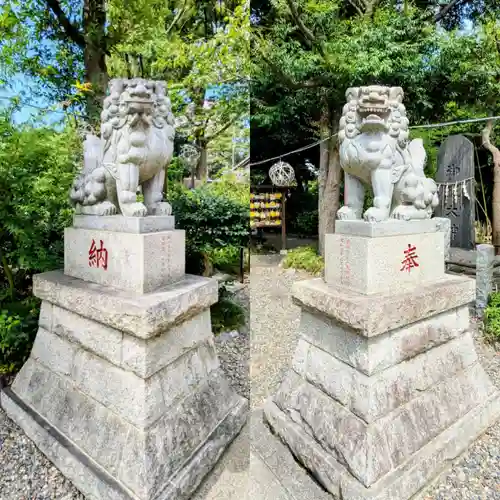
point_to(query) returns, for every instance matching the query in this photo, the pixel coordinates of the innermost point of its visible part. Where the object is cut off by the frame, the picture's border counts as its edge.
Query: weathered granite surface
(124, 391)
(143, 316)
(140, 263)
(378, 264)
(121, 224)
(375, 150)
(372, 315)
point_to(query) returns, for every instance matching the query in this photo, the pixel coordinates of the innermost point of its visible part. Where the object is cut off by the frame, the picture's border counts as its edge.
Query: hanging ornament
(464, 190)
(282, 174)
(455, 195)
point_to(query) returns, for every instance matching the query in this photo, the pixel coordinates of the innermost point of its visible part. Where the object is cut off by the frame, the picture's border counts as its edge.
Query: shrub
(492, 318)
(226, 259)
(18, 327)
(226, 314)
(37, 167)
(211, 221)
(304, 258)
(306, 223)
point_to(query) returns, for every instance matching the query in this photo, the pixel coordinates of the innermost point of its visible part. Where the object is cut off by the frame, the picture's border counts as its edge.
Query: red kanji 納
(410, 259)
(98, 257)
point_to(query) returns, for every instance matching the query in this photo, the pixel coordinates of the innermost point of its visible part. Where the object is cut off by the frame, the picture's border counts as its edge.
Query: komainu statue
(136, 145)
(375, 150)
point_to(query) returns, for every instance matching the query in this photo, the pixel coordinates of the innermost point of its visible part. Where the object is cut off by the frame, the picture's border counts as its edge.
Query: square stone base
(94, 481)
(410, 481)
(376, 258)
(374, 408)
(137, 262)
(128, 401)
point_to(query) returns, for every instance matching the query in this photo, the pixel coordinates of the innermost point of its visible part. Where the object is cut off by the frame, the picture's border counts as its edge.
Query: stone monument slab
(455, 179)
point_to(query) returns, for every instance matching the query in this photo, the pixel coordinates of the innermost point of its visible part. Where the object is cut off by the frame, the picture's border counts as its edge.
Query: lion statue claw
(374, 150)
(135, 147)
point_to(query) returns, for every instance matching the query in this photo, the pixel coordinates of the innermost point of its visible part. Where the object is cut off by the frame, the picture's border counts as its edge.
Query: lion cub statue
(375, 150)
(136, 145)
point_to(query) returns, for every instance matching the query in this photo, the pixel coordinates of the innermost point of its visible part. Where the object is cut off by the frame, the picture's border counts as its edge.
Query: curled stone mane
(114, 115)
(396, 121)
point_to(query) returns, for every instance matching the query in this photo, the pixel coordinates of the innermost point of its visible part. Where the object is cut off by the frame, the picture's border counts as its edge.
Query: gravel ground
(233, 347)
(274, 323)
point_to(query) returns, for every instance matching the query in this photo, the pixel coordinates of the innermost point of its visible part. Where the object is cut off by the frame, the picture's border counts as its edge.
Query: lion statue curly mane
(375, 150)
(136, 145)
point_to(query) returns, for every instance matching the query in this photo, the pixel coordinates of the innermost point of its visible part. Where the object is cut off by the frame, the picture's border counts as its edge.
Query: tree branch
(296, 17)
(222, 129)
(289, 82)
(176, 18)
(445, 9)
(356, 6)
(69, 29)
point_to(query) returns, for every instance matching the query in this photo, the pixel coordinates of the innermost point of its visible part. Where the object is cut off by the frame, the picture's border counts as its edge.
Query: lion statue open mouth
(136, 145)
(375, 150)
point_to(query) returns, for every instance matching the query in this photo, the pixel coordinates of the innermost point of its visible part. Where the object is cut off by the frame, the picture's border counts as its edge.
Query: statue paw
(106, 208)
(162, 208)
(410, 212)
(134, 210)
(347, 213)
(375, 214)
(103, 208)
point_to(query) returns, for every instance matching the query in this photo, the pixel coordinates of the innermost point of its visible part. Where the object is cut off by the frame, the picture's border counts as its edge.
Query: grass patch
(304, 258)
(492, 318)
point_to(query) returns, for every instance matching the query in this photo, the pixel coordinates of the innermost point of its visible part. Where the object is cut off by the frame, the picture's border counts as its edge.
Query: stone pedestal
(385, 386)
(123, 390)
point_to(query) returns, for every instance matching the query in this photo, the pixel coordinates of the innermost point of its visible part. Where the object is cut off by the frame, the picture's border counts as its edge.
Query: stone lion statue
(136, 145)
(375, 150)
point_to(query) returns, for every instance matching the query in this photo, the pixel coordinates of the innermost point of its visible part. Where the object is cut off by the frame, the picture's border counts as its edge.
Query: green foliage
(211, 221)
(226, 259)
(226, 314)
(37, 166)
(227, 186)
(177, 171)
(305, 258)
(306, 223)
(492, 318)
(18, 327)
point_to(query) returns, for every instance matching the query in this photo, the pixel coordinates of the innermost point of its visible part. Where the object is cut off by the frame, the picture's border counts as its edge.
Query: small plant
(304, 258)
(492, 318)
(226, 314)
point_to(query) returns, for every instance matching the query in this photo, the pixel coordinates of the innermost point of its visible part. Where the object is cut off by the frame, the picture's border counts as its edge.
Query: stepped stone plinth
(123, 390)
(385, 387)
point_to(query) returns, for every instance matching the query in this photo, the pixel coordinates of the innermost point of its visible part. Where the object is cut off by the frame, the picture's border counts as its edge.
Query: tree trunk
(496, 184)
(202, 167)
(328, 180)
(94, 21)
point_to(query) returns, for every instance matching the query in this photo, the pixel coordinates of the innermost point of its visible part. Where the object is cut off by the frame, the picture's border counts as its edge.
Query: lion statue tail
(89, 186)
(421, 192)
